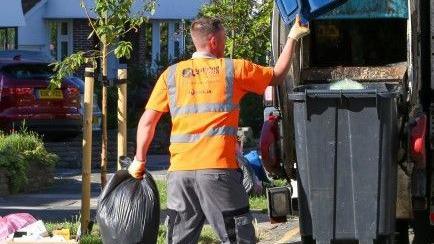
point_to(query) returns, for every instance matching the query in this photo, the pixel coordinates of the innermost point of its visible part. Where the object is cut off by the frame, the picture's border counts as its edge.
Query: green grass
(162, 189)
(256, 202)
(207, 236)
(91, 239)
(280, 182)
(72, 226)
(260, 202)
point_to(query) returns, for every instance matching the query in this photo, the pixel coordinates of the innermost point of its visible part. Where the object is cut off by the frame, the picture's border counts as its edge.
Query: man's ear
(213, 42)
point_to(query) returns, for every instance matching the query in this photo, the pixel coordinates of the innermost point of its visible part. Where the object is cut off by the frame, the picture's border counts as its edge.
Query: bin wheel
(422, 228)
(402, 236)
(389, 239)
(307, 239)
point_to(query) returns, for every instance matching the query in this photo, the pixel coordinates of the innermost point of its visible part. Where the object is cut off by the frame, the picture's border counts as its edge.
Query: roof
(28, 4)
(166, 9)
(11, 14)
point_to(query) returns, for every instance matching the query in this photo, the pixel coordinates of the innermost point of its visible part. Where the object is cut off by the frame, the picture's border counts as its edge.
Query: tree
(110, 20)
(248, 27)
(247, 23)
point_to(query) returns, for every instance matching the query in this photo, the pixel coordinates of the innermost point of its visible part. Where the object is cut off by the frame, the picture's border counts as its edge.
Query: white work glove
(298, 30)
(137, 169)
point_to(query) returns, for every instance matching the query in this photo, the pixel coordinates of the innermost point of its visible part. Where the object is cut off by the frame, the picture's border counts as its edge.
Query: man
(203, 94)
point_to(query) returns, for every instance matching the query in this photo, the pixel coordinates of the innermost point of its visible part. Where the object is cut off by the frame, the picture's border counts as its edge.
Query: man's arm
(145, 132)
(283, 64)
(285, 59)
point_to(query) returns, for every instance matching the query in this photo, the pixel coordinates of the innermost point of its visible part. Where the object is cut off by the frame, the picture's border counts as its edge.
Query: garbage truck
(361, 160)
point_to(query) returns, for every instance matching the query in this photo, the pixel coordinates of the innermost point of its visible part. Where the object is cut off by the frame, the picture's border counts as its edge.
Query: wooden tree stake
(122, 114)
(87, 149)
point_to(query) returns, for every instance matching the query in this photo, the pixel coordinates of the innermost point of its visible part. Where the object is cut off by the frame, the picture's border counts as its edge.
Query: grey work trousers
(215, 195)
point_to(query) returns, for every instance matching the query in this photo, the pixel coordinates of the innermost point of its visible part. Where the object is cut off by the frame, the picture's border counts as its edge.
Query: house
(11, 17)
(60, 27)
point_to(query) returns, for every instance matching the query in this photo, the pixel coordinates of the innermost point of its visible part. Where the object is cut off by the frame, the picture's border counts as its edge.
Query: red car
(24, 97)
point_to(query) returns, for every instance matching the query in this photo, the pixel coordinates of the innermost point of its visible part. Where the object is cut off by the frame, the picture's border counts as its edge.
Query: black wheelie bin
(346, 145)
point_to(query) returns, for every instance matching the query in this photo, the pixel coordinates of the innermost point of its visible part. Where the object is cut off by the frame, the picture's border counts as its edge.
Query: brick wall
(38, 177)
(138, 40)
(81, 30)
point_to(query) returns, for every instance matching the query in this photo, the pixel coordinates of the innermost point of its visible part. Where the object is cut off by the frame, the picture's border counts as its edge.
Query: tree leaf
(123, 49)
(66, 68)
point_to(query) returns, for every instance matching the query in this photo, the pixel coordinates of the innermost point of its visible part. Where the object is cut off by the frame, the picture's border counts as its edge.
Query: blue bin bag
(307, 9)
(256, 163)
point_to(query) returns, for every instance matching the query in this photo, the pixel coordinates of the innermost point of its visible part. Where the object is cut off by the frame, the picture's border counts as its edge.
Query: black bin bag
(129, 210)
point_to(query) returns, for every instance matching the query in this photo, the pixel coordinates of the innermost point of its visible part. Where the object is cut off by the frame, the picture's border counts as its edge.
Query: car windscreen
(28, 71)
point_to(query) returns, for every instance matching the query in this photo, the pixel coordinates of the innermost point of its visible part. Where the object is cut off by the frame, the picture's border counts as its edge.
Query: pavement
(62, 201)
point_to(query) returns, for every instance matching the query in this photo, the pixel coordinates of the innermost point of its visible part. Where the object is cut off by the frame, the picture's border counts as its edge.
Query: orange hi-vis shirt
(203, 96)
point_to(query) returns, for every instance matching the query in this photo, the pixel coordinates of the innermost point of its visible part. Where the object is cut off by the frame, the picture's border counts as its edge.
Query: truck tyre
(402, 231)
(422, 228)
(387, 239)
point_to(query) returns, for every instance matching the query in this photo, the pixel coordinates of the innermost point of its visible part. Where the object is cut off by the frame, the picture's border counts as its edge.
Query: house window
(60, 39)
(177, 36)
(187, 46)
(63, 50)
(64, 28)
(148, 44)
(8, 38)
(164, 41)
(53, 39)
(176, 51)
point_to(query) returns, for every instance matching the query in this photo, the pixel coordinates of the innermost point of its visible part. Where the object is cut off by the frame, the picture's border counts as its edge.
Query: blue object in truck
(341, 9)
(369, 9)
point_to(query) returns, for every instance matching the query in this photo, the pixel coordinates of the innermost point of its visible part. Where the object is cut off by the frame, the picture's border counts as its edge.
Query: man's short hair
(202, 27)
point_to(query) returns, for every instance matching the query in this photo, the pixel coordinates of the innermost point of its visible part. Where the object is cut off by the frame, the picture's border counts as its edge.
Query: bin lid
(288, 9)
(379, 89)
(307, 9)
